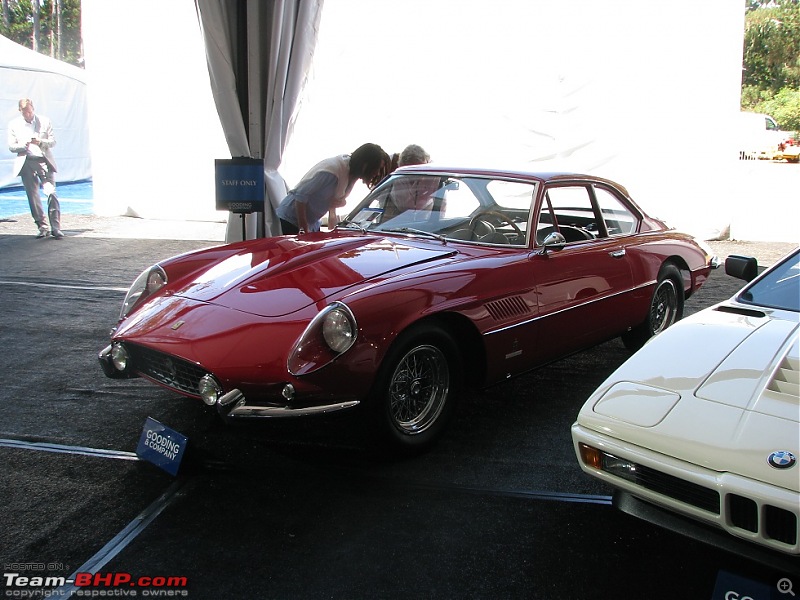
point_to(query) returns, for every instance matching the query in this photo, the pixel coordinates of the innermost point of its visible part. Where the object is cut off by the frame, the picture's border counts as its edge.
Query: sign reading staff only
(240, 184)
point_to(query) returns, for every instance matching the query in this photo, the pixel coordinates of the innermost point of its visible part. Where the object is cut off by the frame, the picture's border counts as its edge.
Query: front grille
(778, 524)
(770, 523)
(781, 525)
(743, 513)
(675, 487)
(176, 373)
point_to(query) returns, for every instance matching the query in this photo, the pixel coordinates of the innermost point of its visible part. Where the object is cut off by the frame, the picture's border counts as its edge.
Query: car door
(583, 289)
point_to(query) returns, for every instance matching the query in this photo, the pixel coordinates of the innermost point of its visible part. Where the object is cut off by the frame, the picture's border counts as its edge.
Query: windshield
(779, 288)
(470, 209)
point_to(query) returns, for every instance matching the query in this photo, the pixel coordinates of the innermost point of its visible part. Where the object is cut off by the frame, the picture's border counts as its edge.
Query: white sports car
(704, 421)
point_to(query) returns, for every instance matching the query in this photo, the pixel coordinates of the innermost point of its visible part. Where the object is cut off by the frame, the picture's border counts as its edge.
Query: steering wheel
(495, 213)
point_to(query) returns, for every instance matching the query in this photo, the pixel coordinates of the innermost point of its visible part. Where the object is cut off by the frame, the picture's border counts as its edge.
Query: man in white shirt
(30, 137)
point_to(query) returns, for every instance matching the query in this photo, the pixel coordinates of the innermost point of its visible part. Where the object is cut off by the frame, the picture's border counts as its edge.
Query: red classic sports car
(439, 278)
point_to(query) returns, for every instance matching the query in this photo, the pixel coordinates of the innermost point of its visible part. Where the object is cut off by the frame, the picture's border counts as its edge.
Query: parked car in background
(760, 137)
(703, 423)
(789, 149)
(439, 278)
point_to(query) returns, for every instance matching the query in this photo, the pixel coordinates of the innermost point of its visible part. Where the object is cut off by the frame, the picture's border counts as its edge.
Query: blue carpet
(76, 199)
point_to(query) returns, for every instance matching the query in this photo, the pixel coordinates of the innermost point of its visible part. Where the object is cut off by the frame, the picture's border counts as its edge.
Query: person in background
(30, 137)
(411, 193)
(326, 186)
(413, 155)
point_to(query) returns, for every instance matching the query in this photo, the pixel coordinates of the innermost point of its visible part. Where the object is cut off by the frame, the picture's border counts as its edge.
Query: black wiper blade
(437, 236)
(351, 224)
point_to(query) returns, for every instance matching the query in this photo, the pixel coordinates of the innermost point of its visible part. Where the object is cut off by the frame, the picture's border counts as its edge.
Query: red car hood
(285, 274)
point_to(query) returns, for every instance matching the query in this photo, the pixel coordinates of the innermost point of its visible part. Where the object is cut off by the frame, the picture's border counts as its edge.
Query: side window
(573, 211)
(618, 218)
(514, 200)
(770, 124)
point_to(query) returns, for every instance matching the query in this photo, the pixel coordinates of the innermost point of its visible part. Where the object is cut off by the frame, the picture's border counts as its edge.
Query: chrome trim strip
(563, 310)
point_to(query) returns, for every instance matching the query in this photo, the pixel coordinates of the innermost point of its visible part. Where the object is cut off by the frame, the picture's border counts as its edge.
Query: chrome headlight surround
(148, 283)
(331, 333)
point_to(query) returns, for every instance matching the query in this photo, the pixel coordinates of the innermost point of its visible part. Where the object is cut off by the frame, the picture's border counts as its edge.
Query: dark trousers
(289, 228)
(35, 173)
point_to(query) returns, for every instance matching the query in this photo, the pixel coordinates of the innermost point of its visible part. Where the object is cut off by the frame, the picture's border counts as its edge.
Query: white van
(759, 136)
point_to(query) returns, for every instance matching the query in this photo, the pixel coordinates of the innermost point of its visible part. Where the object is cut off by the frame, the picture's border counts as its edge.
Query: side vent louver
(787, 377)
(507, 308)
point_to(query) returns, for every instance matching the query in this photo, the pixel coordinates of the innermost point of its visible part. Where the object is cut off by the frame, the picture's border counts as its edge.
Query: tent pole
(255, 115)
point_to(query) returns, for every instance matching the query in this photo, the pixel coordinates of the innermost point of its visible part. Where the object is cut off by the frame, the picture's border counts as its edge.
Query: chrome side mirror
(553, 241)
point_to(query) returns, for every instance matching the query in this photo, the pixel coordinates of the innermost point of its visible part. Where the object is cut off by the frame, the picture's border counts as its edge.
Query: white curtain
(258, 57)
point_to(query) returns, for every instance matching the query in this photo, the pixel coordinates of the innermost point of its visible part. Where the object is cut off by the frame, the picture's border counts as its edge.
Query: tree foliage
(771, 70)
(62, 42)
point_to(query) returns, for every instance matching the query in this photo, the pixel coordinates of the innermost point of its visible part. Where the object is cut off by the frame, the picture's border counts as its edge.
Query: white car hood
(718, 389)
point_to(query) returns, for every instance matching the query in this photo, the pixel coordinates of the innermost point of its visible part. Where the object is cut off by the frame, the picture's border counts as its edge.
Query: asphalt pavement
(301, 509)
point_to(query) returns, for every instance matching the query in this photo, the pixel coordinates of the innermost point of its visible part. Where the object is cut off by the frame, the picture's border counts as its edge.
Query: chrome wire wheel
(418, 389)
(664, 308)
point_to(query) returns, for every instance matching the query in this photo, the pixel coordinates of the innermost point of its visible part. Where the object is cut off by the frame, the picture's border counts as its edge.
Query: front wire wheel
(418, 389)
(415, 391)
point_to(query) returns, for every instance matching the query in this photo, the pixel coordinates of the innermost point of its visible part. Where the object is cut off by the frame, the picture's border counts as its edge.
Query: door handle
(617, 253)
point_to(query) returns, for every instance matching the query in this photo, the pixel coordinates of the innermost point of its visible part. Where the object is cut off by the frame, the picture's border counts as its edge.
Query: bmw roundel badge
(782, 459)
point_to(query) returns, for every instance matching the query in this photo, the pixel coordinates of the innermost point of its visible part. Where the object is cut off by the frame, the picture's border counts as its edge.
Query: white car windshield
(468, 209)
(779, 288)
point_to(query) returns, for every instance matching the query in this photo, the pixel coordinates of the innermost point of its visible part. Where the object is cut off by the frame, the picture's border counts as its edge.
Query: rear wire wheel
(666, 307)
(415, 391)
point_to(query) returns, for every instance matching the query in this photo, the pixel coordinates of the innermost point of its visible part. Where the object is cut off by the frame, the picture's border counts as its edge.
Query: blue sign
(161, 446)
(240, 184)
(730, 586)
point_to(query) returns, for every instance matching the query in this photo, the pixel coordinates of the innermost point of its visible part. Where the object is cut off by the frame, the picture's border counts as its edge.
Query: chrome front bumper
(233, 405)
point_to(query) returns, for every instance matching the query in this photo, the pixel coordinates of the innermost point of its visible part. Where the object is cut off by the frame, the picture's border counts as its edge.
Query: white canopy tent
(155, 132)
(58, 90)
(640, 92)
(258, 56)
(169, 125)
(644, 93)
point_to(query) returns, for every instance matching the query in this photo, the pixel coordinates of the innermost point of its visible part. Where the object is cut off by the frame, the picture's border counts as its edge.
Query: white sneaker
(43, 233)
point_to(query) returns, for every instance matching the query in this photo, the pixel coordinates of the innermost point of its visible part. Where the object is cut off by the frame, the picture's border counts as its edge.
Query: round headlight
(119, 357)
(149, 282)
(209, 390)
(331, 332)
(338, 330)
(156, 280)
